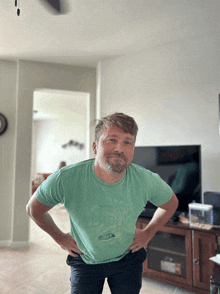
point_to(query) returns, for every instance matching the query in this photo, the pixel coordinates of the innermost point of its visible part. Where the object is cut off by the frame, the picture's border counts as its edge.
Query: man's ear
(94, 147)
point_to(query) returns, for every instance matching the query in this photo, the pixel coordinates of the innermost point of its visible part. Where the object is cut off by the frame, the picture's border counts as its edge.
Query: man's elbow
(28, 209)
(175, 202)
(172, 205)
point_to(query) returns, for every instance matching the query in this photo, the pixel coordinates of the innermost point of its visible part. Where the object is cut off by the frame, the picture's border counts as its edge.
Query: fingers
(134, 248)
(140, 241)
(136, 245)
(72, 253)
(72, 246)
(75, 252)
(75, 249)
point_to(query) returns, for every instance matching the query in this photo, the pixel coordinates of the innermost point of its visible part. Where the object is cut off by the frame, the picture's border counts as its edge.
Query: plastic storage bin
(201, 216)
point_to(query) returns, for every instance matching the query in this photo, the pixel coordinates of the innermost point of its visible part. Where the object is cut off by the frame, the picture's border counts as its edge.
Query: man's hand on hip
(70, 245)
(140, 240)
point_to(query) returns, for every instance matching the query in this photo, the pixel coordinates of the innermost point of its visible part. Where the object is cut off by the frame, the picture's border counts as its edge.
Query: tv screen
(178, 166)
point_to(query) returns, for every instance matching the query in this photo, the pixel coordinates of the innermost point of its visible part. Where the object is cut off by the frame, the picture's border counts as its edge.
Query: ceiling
(90, 31)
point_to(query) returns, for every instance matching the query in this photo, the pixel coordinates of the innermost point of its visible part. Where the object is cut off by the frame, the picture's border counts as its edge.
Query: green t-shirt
(103, 216)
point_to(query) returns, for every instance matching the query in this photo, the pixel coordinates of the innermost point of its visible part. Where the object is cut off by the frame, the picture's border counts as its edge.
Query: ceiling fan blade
(55, 5)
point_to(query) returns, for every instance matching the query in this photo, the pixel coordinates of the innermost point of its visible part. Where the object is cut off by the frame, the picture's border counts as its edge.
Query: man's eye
(127, 142)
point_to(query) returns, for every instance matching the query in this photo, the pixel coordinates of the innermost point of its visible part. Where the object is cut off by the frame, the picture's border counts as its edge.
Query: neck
(105, 175)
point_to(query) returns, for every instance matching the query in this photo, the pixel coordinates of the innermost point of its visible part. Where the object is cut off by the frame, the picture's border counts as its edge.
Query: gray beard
(116, 166)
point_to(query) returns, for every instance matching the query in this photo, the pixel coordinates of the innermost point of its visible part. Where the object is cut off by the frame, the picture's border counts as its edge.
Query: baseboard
(19, 244)
(5, 243)
(15, 245)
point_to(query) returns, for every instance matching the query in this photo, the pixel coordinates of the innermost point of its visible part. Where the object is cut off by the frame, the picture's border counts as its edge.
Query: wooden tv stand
(179, 255)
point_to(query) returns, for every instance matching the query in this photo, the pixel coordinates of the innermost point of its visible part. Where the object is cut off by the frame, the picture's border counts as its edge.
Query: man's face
(114, 150)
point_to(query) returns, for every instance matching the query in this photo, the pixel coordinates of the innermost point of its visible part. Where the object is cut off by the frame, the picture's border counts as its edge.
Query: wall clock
(3, 124)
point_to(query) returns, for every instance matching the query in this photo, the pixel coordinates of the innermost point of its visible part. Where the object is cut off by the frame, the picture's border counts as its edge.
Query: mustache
(119, 155)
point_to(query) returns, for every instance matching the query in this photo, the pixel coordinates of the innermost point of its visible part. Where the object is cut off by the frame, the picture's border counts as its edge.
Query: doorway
(60, 130)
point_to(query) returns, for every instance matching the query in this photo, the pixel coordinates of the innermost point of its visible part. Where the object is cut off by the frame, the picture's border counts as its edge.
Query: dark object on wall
(3, 124)
(213, 198)
(73, 144)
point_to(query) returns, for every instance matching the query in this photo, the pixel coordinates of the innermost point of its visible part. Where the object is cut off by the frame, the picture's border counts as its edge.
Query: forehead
(115, 131)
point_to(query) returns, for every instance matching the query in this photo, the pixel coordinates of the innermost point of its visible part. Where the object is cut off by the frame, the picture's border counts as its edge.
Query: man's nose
(119, 148)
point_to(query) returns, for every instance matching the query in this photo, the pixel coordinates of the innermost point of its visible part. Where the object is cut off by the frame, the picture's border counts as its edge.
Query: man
(104, 197)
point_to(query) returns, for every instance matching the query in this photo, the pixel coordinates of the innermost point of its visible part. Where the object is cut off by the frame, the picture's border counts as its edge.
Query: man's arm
(161, 216)
(39, 213)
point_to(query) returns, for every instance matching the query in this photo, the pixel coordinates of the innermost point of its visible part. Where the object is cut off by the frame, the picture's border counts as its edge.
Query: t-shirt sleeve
(50, 191)
(159, 192)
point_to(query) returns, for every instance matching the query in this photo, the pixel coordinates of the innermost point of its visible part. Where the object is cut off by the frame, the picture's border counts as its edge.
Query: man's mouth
(117, 156)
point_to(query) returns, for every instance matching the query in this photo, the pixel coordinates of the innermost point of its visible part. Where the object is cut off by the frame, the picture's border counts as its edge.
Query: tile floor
(41, 269)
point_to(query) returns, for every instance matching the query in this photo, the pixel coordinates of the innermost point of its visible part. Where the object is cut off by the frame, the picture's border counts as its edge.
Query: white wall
(50, 135)
(7, 145)
(172, 92)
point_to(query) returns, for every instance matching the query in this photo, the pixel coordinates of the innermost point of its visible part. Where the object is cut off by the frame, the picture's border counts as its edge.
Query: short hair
(121, 120)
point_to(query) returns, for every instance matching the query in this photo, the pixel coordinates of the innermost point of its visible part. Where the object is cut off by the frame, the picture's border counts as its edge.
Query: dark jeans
(123, 276)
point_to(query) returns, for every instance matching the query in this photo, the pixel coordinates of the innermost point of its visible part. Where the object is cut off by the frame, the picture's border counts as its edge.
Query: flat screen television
(179, 167)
